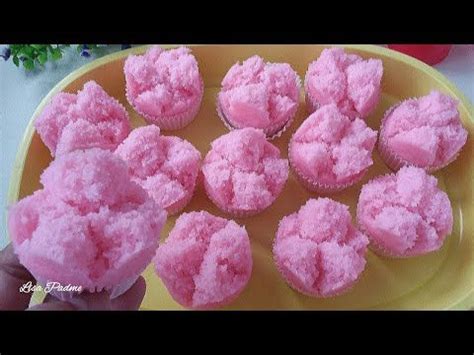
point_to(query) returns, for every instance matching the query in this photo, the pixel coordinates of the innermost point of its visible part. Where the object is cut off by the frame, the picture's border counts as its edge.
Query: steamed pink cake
(243, 172)
(165, 166)
(259, 95)
(317, 249)
(347, 80)
(425, 132)
(405, 214)
(329, 151)
(206, 261)
(165, 87)
(89, 226)
(90, 118)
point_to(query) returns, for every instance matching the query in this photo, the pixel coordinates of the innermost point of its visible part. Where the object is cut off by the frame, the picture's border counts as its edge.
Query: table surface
(21, 92)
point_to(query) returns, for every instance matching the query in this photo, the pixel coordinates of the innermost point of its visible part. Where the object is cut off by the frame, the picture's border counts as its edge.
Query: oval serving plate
(440, 280)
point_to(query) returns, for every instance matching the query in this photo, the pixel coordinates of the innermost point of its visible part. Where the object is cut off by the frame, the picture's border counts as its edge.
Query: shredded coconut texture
(405, 214)
(244, 171)
(90, 225)
(331, 148)
(163, 83)
(165, 166)
(91, 118)
(258, 94)
(318, 250)
(426, 131)
(347, 80)
(206, 261)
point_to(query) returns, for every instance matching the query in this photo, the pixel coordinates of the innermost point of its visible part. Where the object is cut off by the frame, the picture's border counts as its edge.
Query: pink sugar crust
(259, 95)
(163, 83)
(90, 225)
(165, 166)
(243, 171)
(331, 149)
(90, 118)
(317, 249)
(426, 132)
(347, 80)
(206, 261)
(405, 214)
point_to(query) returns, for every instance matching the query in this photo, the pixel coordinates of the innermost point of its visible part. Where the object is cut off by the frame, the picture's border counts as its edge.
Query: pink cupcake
(330, 152)
(243, 172)
(206, 261)
(164, 166)
(318, 251)
(404, 214)
(165, 87)
(89, 226)
(347, 80)
(425, 132)
(91, 118)
(259, 95)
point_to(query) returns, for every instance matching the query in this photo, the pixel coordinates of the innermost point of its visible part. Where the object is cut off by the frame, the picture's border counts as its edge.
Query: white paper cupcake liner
(394, 161)
(272, 132)
(172, 122)
(290, 284)
(316, 186)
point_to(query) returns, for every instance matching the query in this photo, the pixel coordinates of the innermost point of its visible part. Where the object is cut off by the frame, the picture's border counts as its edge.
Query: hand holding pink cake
(165, 87)
(425, 132)
(206, 261)
(91, 118)
(259, 95)
(243, 172)
(89, 226)
(405, 214)
(346, 80)
(317, 249)
(165, 166)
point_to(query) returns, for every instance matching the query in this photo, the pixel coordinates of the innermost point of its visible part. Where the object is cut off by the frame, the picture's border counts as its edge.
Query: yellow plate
(440, 280)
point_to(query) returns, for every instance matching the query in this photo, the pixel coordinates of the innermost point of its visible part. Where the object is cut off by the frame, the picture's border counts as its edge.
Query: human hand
(13, 275)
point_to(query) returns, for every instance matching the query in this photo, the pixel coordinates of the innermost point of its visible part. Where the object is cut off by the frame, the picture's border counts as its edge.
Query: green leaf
(56, 54)
(38, 46)
(28, 51)
(29, 64)
(16, 61)
(14, 48)
(43, 58)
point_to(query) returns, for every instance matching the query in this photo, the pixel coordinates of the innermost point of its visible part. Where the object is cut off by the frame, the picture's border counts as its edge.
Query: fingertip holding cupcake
(243, 173)
(346, 80)
(259, 95)
(330, 152)
(405, 214)
(206, 261)
(318, 251)
(426, 132)
(89, 226)
(89, 119)
(164, 86)
(166, 167)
